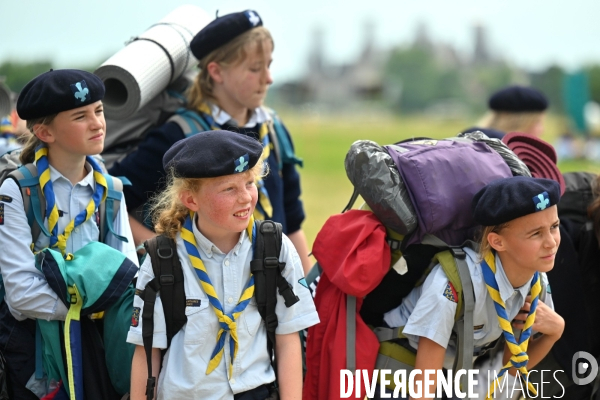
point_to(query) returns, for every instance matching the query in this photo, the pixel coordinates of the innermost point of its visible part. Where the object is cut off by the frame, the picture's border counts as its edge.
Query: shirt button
(232, 381)
(230, 300)
(227, 262)
(76, 230)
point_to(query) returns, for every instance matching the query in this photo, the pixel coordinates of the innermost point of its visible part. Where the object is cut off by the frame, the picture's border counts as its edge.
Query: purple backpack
(441, 178)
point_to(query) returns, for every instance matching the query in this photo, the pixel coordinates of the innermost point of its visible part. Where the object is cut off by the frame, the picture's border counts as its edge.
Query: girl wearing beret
(519, 241)
(235, 53)
(63, 110)
(207, 208)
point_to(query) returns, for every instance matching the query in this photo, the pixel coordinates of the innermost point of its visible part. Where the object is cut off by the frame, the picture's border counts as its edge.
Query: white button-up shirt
(28, 295)
(428, 312)
(259, 115)
(183, 373)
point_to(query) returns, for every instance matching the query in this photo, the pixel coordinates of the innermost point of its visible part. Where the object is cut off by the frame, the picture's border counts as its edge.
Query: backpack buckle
(73, 298)
(271, 262)
(458, 252)
(167, 280)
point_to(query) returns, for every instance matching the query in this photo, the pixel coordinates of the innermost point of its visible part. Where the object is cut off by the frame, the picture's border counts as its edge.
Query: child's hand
(547, 321)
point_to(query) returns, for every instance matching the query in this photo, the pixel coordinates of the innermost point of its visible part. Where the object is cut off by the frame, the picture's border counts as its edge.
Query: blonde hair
(511, 121)
(484, 244)
(169, 213)
(229, 54)
(31, 140)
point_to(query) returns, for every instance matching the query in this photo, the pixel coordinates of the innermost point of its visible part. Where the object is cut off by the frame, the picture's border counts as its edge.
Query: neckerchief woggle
(43, 167)
(264, 209)
(227, 321)
(518, 350)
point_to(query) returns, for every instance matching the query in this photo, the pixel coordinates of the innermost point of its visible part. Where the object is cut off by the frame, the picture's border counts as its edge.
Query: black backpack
(168, 279)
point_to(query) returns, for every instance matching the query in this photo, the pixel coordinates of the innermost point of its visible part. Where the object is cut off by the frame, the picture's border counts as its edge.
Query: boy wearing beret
(221, 351)
(519, 242)
(235, 54)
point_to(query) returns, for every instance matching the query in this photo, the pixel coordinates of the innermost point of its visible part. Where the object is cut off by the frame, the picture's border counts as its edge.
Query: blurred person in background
(514, 109)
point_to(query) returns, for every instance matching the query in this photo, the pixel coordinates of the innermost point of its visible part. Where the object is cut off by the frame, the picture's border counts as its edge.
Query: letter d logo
(581, 368)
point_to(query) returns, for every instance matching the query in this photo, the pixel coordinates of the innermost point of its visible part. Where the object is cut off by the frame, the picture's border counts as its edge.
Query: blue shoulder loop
(111, 196)
(35, 207)
(193, 120)
(285, 144)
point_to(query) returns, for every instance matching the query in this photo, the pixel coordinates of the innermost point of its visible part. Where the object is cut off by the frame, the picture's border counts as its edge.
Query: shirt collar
(208, 247)
(88, 180)
(259, 115)
(506, 289)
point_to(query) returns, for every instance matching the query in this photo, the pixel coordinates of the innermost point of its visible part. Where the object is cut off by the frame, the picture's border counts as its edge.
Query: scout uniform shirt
(28, 293)
(183, 372)
(429, 310)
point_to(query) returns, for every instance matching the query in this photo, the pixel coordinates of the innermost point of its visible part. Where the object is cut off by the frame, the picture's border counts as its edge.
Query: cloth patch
(548, 289)
(135, 317)
(192, 302)
(303, 282)
(80, 91)
(478, 327)
(5, 198)
(541, 201)
(139, 292)
(450, 293)
(241, 164)
(1, 213)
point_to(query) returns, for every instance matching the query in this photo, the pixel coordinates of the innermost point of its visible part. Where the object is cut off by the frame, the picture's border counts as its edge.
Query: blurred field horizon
(322, 141)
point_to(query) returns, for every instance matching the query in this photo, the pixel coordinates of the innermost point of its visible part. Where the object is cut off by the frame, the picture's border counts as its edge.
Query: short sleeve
(159, 339)
(303, 314)
(434, 311)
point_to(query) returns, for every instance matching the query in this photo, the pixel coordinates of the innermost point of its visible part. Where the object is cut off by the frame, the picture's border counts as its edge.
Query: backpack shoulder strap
(284, 143)
(109, 209)
(266, 269)
(34, 202)
(189, 122)
(168, 280)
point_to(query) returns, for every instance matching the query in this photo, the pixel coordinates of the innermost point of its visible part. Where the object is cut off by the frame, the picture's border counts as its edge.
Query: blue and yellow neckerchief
(100, 192)
(227, 322)
(519, 356)
(264, 209)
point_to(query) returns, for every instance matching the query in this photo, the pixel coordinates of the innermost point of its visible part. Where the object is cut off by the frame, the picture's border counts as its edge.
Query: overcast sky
(531, 33)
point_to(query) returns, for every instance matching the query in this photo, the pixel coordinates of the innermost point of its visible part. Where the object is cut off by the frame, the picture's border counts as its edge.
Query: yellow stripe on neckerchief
(264, 209)
(518, 350)
(227, 321)
(100, 192)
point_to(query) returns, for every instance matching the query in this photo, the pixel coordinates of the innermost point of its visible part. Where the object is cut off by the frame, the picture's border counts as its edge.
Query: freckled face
(226, 204)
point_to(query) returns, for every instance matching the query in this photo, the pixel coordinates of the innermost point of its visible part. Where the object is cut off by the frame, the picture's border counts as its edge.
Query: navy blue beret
(211, 154)
(222, 30)
(58, 90)
(506, 199)
(518, 99)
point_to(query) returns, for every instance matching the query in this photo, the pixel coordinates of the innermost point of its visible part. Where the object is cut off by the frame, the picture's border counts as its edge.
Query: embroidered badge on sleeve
(303, 282)
(1, 213)
(450, 293)
(135, 317)
(5, 198)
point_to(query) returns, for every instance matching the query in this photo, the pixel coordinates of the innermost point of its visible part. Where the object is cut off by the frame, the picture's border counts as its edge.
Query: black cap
(222, 30)
(506, 199)
(211, 154)
(518, 99)
(58, 90)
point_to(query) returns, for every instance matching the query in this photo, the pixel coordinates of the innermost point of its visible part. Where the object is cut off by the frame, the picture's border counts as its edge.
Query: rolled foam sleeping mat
(376, 178)
(6, 104)
(150, 62)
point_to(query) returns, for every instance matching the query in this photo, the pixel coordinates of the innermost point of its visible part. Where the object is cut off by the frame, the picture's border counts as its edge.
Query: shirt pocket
(199, 320)
(251, 317)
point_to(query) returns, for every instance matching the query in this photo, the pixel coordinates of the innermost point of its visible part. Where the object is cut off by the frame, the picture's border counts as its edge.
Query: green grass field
(322, 142)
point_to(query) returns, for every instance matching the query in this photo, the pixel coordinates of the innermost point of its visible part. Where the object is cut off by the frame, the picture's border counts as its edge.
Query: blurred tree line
(16, 74)
(429, 79)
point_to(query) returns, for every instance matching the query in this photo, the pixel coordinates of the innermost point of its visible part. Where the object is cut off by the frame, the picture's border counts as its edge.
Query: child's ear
(188, 200)
(496, 241)
(215, 71)
(43, 132)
